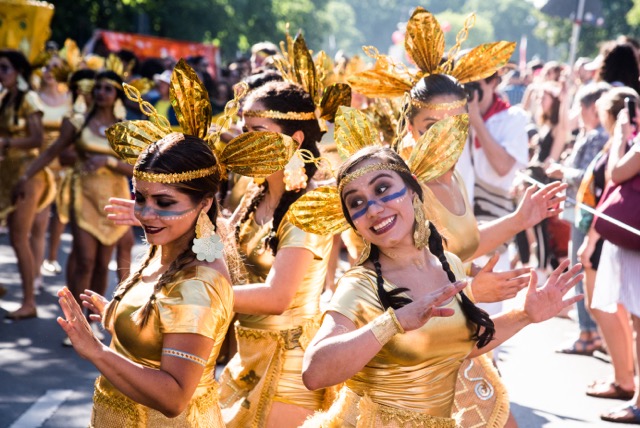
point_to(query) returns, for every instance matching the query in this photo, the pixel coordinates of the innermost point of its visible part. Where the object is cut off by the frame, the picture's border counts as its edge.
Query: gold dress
(268, 365)
(199, 301)
(13, 165)
(481, 398)
(460, 231)
(52, 120)
(91, 190)
(411, 381)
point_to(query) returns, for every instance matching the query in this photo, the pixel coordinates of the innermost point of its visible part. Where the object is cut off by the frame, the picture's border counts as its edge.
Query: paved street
(43, 384)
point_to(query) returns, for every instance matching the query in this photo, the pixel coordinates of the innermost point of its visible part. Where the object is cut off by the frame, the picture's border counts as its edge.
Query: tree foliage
(334, 24)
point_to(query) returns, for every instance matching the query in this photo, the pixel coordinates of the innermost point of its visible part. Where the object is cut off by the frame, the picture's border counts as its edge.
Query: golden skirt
(350, 410)
(111, 409)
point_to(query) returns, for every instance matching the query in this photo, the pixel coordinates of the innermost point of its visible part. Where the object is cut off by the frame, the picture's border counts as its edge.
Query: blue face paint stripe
(387, 198)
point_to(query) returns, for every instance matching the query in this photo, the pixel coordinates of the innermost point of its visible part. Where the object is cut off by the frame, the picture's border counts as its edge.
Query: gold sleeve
(294, 237)
(31, 104)
(356, 298)
(200, 304)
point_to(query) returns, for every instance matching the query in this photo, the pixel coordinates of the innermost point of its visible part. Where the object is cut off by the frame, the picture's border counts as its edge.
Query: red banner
(157, 47)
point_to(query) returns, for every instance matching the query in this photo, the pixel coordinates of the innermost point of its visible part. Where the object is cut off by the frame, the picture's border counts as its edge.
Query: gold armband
(112, 162)
(385, 326)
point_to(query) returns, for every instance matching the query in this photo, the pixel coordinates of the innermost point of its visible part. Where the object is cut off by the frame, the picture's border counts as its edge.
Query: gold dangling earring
(366, 251)
(421, 231)
(206, 245)
(119, 110)
(295, 177)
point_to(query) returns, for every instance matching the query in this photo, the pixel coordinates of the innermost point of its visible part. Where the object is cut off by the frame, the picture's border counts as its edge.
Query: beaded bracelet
(185, 355)
(385, 326)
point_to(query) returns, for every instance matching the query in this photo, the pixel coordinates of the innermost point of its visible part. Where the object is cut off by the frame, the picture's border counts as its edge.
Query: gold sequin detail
(273, 114)
(439, 106)
(367, 169)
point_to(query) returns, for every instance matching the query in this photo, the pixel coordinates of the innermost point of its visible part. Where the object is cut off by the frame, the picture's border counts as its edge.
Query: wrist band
(385, 326)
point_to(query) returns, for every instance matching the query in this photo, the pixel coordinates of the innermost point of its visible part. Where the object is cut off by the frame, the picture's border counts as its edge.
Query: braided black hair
(484, 327)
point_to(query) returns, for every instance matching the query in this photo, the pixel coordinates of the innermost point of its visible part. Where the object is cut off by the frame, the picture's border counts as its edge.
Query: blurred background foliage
(338, 25)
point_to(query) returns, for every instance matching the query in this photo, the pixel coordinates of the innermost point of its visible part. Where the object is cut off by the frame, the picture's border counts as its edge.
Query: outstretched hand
(95, 303)
(76, 326)
(536, 206)
(547, 301)
(120, 212)
(415, 314)
(489, 286)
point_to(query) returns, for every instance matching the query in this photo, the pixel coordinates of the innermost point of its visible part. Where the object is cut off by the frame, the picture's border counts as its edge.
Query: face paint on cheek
(163, 214)
(384, 199)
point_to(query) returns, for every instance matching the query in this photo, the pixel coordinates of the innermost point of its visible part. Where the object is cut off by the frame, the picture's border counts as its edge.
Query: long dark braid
(251, 207)
(389, 299)
(125, 285)
(485, 329)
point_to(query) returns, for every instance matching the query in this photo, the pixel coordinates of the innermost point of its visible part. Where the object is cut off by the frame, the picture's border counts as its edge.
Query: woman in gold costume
(56, 105)
(400, 370)
(98, 174)
(168, 319)
(20, 142)
(262, 385)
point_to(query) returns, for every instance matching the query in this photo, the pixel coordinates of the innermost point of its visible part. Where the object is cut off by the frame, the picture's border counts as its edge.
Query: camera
(472, 87)
(630, 104)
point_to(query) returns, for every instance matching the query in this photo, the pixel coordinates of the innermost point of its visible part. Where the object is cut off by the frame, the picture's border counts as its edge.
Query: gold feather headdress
(297, 66)
(254, 154)
(424, 43)
(437, 151)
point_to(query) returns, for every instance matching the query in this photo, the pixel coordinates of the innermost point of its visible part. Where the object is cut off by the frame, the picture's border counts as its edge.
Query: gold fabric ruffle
(91, 192)
(481, 398)
(353, 411)
(112, 409)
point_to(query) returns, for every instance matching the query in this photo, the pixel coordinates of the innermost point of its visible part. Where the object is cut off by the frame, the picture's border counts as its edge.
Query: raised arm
(275, 295)
(540, 304)
(167, 389)
(340, 350)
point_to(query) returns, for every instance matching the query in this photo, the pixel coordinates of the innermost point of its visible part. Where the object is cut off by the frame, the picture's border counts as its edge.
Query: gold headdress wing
(297, 66)
(190, 101)
(482, 61)
(256, 154)
(353, 131)
(438, 149)
(319, 212)
(424, 43)
(424, 40)
(385, 79)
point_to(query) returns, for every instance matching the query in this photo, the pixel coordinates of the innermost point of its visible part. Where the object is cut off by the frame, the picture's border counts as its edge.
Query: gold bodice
(14, 124)
(416, 370)
(460, 231)
(199, 301)
(93, 144)
(259, 260)
(52, 120)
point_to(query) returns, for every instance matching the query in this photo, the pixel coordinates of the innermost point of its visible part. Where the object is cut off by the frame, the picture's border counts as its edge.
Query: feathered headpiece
(297, 66)
(254, 154)
(437, 151)
(424, 43)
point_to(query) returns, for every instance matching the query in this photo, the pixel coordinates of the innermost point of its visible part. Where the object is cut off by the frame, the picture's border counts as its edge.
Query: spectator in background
(163, 105)
(514, 88)
(259, 54)
(617, 64)
(589, 143)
